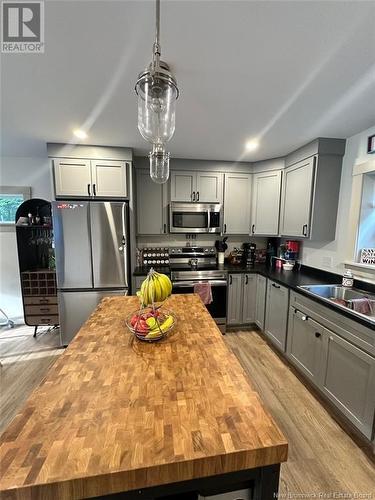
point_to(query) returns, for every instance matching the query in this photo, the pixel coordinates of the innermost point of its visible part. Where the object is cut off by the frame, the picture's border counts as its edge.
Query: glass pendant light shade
(159, 164)
(157, 93)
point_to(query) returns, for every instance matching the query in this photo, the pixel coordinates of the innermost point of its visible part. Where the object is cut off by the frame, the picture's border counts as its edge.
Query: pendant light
(157, 93)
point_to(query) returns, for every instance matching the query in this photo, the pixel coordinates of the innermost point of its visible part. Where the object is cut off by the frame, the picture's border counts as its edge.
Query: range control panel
(155, 257)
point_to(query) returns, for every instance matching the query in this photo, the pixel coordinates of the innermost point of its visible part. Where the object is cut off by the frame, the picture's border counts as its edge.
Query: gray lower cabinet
(152, 205)
(137, 282)
(305, 344)
(249, 297)
(276, 320)
(241, 299)
(260, 300)
(349, 381)
(339, 367)
(235, 294)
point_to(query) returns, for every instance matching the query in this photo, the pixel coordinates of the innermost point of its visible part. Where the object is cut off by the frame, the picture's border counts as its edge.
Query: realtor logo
(22, 27)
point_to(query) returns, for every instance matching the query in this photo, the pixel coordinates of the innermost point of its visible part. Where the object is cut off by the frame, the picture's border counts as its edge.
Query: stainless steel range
(192, 265)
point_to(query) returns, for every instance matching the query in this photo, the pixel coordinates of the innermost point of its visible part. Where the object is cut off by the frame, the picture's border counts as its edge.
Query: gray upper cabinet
(297, 199)
(109, 178)
(305, 344)
(183, 185)
(260, 302)
(277, 305)
(72, 178)
(266, 203)
(349, 381)
(209, 187)
(237, 196)
(151, 204)
(311, 187)
(196, 186)
(80, 178)
(235, 294)
(249, 298)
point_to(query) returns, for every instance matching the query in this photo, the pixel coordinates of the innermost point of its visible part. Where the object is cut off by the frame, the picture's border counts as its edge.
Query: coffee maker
(248, 256)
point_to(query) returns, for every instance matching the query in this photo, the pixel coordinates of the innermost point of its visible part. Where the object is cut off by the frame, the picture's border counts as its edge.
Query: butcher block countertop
(115, 414)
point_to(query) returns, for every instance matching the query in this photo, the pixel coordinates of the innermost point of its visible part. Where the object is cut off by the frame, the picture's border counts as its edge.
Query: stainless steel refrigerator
(92, 258)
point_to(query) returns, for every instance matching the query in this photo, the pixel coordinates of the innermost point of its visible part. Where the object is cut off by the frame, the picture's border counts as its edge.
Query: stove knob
(145, 262)
(158, 262)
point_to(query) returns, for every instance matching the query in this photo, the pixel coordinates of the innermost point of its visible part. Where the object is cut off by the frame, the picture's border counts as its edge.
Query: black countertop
(293, 280)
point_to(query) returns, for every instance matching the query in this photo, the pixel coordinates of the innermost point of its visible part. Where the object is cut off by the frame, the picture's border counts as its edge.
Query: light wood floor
(24, 362)
(323, 459)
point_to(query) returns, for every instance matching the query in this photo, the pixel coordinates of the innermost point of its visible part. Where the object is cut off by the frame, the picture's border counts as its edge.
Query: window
(11, 197)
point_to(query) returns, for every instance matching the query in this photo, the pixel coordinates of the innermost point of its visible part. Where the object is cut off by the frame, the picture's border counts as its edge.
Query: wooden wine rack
(40, 297)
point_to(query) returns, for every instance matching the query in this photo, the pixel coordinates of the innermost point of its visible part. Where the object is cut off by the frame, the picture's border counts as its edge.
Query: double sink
(359, 302)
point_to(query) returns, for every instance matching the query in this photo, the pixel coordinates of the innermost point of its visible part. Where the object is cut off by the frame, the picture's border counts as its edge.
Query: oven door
(218, 306)
(189, 218)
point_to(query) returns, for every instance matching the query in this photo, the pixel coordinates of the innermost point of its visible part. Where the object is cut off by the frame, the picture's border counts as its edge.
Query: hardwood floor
(24, 362)
(323, 459)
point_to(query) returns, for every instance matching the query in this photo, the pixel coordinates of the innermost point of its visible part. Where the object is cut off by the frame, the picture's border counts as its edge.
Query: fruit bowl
(151, 324)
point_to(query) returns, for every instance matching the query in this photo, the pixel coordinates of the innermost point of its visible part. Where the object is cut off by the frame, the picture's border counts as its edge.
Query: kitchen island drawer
(38, 310)
(40, 299)
(42, 320)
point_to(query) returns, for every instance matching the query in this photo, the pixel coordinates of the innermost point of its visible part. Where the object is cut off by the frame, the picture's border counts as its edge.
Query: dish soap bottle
(348, 279)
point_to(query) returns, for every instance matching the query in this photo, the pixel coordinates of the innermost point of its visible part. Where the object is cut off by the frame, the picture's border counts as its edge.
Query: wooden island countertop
(115, 414)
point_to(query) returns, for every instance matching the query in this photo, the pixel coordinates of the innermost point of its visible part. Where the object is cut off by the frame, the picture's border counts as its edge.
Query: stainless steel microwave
(195, 217)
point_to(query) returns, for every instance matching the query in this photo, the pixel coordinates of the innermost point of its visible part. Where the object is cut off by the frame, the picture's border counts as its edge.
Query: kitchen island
(119, 418)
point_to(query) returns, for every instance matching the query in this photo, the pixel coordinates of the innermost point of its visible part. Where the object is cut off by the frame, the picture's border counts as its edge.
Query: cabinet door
(209, 187)
(234, 312)
(183, 185)
(72, 178)
(297, 199)
(276, 314)
(151, 205)
(249, 298)
(349, 381)
(260, 302)
(109, 178)
(305, 344)
(237, 194)
(266, 203)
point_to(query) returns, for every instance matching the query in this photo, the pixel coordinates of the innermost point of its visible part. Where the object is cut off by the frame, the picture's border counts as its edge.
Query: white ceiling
(285, 72)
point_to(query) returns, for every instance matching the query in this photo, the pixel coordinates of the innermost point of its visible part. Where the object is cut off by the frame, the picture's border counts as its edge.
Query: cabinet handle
(225, 228)
(193, 195)
(45, 309)
(275, 286)
(230, 279)
(253, 228)
(246, 279)
(318, 334)
(304, 230)
(165, 228)
(94, 189)
(197, 195)
(88, 189)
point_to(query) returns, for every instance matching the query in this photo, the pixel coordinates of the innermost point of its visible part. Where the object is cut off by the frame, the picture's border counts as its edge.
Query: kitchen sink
(342, 296)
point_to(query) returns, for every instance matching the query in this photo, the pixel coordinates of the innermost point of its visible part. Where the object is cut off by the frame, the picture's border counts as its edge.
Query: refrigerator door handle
(124, 243)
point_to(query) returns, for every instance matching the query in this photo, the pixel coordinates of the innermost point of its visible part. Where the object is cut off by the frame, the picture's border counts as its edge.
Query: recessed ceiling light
(81, 134)
(252, 145)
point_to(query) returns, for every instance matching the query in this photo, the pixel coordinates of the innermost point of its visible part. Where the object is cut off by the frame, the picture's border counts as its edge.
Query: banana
(156, 287)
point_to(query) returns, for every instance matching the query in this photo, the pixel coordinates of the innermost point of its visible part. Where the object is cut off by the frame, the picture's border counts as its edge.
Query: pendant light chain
(157, 48)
